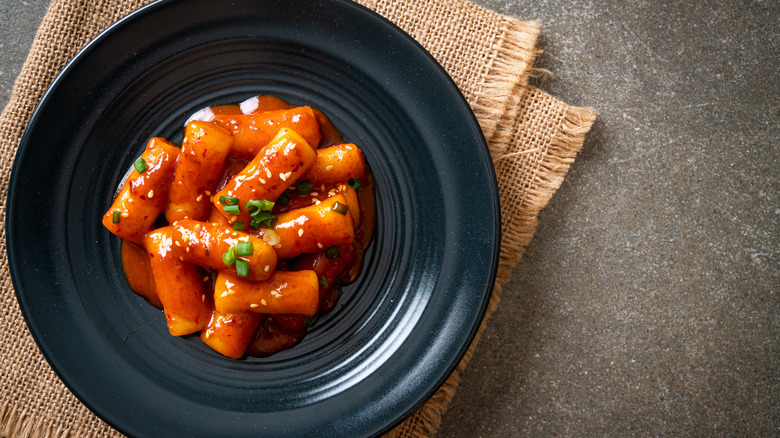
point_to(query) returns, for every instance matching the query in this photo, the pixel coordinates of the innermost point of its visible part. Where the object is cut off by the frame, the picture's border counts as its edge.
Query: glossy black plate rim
(16, 245)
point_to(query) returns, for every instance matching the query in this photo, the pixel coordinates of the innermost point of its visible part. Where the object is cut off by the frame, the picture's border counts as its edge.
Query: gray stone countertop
(648, 303)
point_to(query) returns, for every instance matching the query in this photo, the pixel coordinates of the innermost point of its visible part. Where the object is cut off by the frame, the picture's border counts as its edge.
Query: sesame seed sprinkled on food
(263, 302)
(231, 292)
(187, 249)
(267, 268)
(268, 173)
(203, 297)
(177, 243)
(224, 294)
(314, 194)
(329, 167)
(317, 202)
(199, 198)
(300, 232)
(208, 333)
(208, 193)
(253, 305)
(283, 177)
(181, 258)
(262, 181)
(150, 194)
(125, 214)
(319, 245)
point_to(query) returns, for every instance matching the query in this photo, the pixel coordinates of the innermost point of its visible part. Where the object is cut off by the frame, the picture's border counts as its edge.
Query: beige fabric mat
(533, 139)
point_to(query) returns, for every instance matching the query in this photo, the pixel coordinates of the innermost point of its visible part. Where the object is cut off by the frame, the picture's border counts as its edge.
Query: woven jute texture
(533, 139)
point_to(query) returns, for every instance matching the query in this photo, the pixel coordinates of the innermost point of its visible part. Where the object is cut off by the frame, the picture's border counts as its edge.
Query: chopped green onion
(304, 188)
(340, 208)
(263, 218)
(232, 209)
(283, 200)
(312, 319)
(238, 226)
(332, 253)
(228, 200)
(323, 282)
(229, 256)
(115, 217)
(244, 248)
(259, 205)
(242, 267)
(140, 165)
(354, 183)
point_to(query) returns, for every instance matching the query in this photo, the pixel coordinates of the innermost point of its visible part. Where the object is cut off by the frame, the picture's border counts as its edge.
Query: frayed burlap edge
(507, 77)
(516, 235)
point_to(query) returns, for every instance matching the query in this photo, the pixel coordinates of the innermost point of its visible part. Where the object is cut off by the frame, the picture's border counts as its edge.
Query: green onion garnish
(229, 256)
(323, 282)
(242, 267)
(228, 200)
(115, 217)
(340, 208)
(244, 248)
(312, 319)
(283, 200)
(238, 226)
(232, 209)
(332, 253)
(263, 218)
(140, 165)
(354, 183)
(259, 205)
(304, 188)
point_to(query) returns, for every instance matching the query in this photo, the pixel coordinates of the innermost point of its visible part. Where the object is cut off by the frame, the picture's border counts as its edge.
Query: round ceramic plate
(396, 334)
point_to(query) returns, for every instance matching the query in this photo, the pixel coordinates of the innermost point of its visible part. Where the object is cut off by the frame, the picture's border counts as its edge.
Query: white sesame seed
(329, 167)
(199, 198)
(177, 243)
(268, 173)
(253, 305)
(187, 249)
(317, 202)
(230, 193)
(208, 333)
(125, 214)
(203, 297)
(300, 232)
(150, 194)
(283, 177)
(196, 226)
(263, 302)
(314, 194)
(262, 181)
(181, 258)
(231, 292)
(319, 245)
(267, 268)
(224, 294)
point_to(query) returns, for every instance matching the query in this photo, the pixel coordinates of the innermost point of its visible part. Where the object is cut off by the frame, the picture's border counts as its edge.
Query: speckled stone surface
(648, 304)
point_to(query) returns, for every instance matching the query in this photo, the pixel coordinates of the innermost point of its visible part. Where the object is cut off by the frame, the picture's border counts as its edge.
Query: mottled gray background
(647, 304)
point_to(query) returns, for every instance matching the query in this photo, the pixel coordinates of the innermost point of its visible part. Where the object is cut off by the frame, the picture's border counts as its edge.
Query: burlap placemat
(533, 139)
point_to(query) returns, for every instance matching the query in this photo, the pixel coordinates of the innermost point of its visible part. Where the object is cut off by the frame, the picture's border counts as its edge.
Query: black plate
(395, 335)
